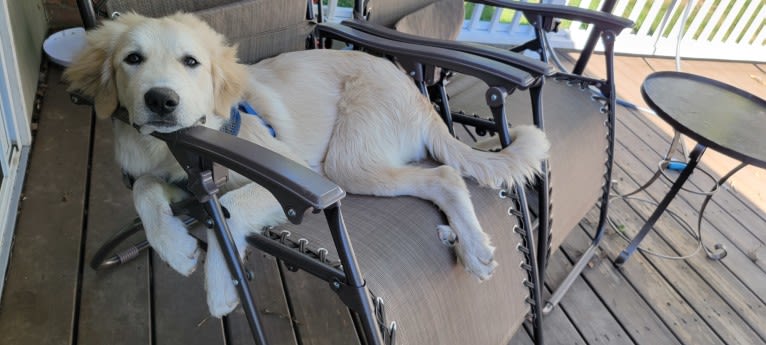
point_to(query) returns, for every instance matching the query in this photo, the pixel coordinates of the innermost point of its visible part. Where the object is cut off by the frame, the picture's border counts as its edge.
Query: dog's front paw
(174, 245)
(166, 234)
(478, 257)
(222, 295)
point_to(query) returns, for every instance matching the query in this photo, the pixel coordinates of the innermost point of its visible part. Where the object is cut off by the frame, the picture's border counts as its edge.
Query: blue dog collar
(235, 119)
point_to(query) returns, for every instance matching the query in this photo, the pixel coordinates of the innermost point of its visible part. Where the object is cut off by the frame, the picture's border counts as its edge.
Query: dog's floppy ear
(229, 78)
(92, 73)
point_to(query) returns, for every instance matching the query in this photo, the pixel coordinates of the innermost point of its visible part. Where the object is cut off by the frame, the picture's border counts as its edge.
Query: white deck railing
(714, 29)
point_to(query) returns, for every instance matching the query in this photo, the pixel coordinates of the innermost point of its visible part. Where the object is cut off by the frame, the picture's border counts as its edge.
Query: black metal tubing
(230, 253)
(358, 297)
(492, 72)
(603, 20)
(587, 51)
(296, 259)
(87, 14)
(527, 64)
(609, 91)
(694, 158)
(439, 96)
(99, 260)
(535, 274)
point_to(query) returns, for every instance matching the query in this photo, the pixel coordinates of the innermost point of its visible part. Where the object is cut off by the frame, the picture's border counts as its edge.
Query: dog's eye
(190, 61)
(134, 59)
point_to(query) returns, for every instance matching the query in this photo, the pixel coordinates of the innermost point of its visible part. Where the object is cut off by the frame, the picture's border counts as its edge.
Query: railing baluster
(746, 39)
(715, 20)
(332, 5)
(732, 14)
(649, 19)
(711, 24)
(699, 18)
(496, 14)
(759, 40)
(619, 10)
(636, 10)
(515, 22)
(678, 25)
(476, 16)
(740, 27)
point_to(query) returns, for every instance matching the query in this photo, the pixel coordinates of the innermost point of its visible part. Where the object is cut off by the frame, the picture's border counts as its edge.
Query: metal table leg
(694, 159)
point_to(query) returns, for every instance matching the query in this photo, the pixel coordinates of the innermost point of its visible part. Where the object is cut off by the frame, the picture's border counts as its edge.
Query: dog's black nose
(161, 100)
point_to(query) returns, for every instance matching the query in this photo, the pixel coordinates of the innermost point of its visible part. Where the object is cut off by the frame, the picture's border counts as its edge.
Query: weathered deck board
(181, 315)
(585, 308)
(119, 296)
(661, 296)
(718, 227)
(681, 244)
(42, 285)
(634, 312)
(268, 292)
(320, 317)
(726, 212)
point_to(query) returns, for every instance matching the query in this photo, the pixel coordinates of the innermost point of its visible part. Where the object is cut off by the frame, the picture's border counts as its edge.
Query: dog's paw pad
(446, 235)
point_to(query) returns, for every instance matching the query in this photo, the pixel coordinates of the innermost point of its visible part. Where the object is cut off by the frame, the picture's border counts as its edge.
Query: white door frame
(15, 138)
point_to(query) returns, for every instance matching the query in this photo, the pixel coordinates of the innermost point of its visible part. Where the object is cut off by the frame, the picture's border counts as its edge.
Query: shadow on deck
(74, 200)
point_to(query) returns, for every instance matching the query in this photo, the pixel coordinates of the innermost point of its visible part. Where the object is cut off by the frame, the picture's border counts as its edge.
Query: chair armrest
(605, 21)
(492, 72)
(293, 185)
(525, 63)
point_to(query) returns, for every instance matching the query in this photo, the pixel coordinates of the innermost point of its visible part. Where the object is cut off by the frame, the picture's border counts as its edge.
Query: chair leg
(100, 259)
(230, 253)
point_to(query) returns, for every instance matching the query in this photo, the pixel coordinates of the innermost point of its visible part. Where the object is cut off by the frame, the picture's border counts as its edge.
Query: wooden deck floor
(74, 200)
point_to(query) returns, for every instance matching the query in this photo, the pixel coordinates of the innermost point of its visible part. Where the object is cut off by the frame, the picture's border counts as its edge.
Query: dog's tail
(516, 163)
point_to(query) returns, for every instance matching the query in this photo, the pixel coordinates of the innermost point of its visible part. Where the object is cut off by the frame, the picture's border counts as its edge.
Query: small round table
(716, 115)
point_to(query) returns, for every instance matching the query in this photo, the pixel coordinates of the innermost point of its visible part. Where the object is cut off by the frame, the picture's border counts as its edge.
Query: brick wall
(62, 13)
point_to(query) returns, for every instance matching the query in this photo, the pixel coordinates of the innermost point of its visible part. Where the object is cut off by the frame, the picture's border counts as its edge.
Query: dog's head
(169, 73)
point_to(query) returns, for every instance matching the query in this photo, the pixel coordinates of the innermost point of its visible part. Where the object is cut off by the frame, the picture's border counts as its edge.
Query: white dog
(353, 117)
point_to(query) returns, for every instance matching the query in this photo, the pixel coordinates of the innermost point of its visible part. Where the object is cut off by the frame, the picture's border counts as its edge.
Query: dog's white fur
(355, 118)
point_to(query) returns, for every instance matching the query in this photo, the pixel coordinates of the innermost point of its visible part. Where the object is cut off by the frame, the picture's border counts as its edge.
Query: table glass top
(713, 113)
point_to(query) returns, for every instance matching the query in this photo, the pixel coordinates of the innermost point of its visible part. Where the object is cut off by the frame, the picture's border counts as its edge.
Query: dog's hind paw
(177, 248)
(477, 260)
(446, 235)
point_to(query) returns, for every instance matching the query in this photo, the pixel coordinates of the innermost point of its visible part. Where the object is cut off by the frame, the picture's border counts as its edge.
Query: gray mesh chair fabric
(426, 292)
(442, 19)
(258, 27)
(577, 134)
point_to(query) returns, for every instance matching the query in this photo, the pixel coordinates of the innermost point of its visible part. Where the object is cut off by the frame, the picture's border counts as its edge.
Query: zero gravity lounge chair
(402, 284)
